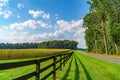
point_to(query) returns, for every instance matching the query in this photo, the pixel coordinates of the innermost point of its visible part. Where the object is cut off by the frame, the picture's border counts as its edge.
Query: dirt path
(107, 58)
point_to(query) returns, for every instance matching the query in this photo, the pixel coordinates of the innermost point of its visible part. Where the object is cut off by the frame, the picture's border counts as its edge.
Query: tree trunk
(116, 47)
(96, 46)
(104, 34)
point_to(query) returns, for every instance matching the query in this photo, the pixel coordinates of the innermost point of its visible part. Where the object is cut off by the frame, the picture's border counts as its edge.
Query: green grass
(79, 67)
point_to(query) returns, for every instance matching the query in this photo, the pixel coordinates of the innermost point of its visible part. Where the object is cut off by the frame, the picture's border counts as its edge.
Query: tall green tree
(103, 25)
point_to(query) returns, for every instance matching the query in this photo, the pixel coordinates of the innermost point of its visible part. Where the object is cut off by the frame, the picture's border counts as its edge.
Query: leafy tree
(103, 26)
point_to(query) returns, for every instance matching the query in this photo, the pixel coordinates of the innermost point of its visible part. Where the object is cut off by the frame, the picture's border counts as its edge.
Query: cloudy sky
(42, 20)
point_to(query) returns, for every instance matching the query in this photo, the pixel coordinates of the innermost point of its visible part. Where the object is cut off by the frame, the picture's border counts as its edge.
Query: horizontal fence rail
(63, 58)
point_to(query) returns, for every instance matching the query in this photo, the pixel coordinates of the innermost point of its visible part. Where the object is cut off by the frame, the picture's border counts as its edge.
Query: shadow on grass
(77, 73)
(68, 70)
(86, 72)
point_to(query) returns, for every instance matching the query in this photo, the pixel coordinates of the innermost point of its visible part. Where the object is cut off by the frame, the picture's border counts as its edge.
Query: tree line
(67, 44)
(47, 44)
(18, 45)
(102, 25)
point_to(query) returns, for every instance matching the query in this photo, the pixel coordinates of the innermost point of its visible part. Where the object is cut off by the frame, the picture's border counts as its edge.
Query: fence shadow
(77, 73)
(68, 70)
(86, 72)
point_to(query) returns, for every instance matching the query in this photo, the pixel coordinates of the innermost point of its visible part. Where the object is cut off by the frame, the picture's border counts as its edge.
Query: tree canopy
(18, 45)
(47, 44)
(67, 44)
(103, 26)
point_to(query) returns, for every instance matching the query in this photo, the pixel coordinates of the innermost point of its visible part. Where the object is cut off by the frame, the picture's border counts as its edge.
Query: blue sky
(42, 20)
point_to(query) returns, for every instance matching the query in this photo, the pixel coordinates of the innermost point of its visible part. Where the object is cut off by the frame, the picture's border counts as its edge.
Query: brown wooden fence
(63, 58)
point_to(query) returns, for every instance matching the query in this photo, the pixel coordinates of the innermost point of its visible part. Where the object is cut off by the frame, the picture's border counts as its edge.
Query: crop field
(28, 53)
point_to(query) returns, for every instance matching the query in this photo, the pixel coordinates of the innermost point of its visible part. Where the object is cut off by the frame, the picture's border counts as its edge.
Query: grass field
(79, 67)
(28, 53)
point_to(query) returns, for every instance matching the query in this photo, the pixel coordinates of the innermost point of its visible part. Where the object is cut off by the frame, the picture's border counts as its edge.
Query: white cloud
(81, 41)
(29, 24)
(35, 14)
(46, 16)
(79, 36)
(70, 26)
(12, 36)
(20, 6)
(6, 14)
(19, 37)
(3, 3)
(76, 28)
(39, 13)
(47, 36)
(79, 32)
(72, 30)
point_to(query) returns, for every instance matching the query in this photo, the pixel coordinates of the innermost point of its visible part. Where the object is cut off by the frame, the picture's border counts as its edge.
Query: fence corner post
(54, 67)
(37, 70)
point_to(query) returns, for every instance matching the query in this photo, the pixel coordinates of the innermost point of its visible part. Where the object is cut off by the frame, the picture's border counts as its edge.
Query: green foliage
(66, 44)
(103, 26)
(18, 45)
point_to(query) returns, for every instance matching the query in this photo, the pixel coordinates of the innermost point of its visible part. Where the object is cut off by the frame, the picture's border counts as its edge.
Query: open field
(79, 67)
(28, 53)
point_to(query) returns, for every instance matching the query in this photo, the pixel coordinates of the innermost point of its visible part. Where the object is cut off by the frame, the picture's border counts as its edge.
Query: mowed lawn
(79, 67)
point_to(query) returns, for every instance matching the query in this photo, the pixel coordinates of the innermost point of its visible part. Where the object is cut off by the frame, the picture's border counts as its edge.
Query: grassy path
(82, 67)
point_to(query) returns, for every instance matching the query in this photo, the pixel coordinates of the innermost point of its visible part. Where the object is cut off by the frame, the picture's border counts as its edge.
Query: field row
(29, 53)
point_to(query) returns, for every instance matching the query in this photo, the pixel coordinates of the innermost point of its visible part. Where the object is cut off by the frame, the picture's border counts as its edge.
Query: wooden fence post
(67, 57)
(37, 70)
(60, 61)
(64, 59)
(54, 67)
